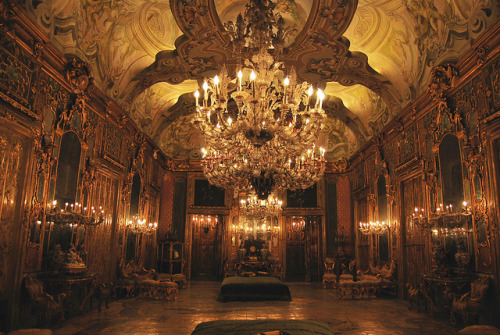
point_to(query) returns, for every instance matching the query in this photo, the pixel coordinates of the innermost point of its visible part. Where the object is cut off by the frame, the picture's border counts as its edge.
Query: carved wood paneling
(14, 149)
(100, 241)
(18, 76)
(413, 237)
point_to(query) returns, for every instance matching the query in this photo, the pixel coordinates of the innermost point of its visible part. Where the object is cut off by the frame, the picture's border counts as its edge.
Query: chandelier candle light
(260, 127)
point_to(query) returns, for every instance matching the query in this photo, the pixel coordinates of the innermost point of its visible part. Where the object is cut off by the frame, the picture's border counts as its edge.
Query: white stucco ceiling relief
(153, 104)
(372, 56)
(117, 38)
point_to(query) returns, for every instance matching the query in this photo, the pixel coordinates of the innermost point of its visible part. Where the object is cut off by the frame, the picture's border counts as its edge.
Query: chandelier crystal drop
(260, 126)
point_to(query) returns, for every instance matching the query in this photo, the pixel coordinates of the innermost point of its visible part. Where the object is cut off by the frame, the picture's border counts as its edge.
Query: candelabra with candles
(420, 218)
(255, 225)
(253, 206)
(443, 216)
(373, 227)
(205, 222)
(139, 226)
(74, 214)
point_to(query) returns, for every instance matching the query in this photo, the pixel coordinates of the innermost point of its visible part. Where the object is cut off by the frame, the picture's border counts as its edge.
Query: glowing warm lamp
(197, 95)
(205, 88)
(321, 96)
(253, 76)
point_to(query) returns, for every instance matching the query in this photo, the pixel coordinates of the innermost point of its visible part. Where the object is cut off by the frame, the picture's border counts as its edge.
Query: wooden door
(412, 236)
(295, 249)
(205, 252)
(312, 248)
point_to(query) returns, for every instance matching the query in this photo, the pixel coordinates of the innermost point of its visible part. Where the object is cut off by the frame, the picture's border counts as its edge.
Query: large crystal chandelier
(260, 126)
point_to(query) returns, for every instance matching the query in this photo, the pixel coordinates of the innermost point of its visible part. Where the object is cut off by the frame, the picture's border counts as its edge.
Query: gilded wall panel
(101, 241)
(358, 176)
(493, 87)
(408, 144)
(13, 160)
(112, 143)
(370, 172)
(18, 76)
(390, 152)
(465, 101)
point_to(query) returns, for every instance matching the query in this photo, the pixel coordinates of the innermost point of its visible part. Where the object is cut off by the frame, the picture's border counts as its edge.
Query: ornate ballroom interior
(160, 159)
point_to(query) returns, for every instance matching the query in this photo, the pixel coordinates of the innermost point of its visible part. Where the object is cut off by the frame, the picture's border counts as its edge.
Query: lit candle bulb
(205, 88)
(253, 76)
(309, 94)
(240, 78)
(197, 95)
(286, 82)
(321, 96)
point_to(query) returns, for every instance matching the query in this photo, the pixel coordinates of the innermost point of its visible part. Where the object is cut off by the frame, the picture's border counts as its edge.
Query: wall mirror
(132, 239)
(62, 237)
(68, 167)
(456, 189)
(478, 193)
(383, 239)
(451, 172)
(135, 195)
(40, 190)
(467, 184)
(131, 246)
(234, 237)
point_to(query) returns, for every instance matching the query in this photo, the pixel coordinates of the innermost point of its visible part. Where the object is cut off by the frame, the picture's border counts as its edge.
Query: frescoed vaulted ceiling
(371, 56)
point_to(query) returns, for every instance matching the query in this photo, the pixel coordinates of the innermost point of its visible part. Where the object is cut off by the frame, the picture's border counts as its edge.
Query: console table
(438, 290)
(77, 287)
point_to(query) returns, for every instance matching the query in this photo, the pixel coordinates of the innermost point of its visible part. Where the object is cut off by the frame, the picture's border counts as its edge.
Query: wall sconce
(139, 226)
(205, 222)
(298, 225)
(376, 228)
(443, 216)
(420, 219)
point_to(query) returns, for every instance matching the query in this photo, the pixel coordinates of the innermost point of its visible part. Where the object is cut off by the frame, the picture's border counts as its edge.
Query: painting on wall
(207, 195)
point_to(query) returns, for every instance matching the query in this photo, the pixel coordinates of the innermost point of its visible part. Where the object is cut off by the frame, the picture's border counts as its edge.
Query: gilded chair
(329, 277)
(45, 306)
(471, 304)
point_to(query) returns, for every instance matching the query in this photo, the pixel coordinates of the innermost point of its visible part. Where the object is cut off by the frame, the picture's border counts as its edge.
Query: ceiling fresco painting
(371, 56)
(153, 106)
(119, 38)
(181, 140)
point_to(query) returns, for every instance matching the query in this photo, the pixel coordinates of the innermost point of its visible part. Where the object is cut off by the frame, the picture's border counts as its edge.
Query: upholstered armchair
(471, 304)
(329, 277)
(45, 306)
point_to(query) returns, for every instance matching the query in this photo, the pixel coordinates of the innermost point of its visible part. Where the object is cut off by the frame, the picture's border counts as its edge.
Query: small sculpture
(57, 256)
(73, 263)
